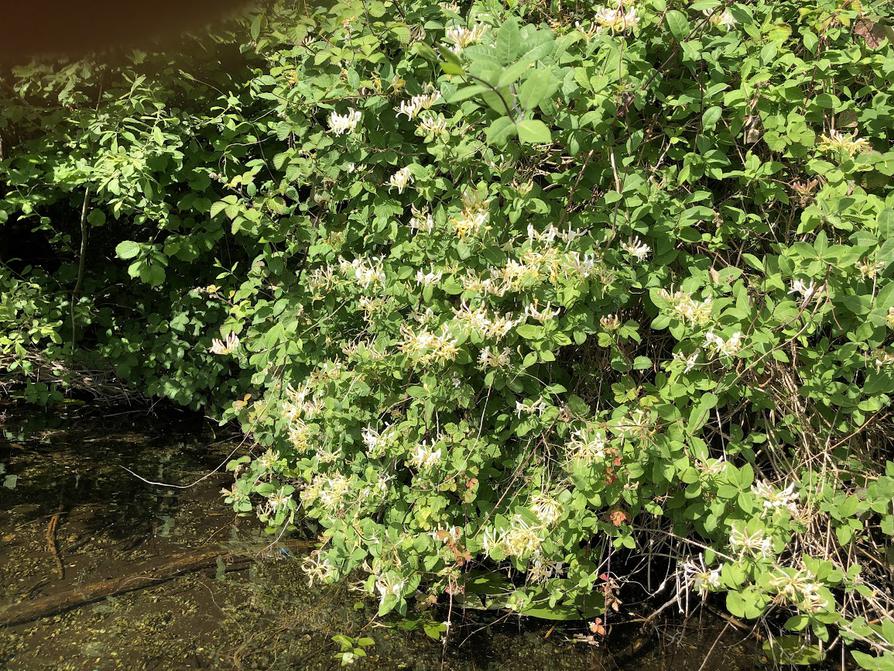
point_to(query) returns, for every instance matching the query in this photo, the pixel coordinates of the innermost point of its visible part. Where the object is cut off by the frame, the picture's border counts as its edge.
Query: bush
(511, 299)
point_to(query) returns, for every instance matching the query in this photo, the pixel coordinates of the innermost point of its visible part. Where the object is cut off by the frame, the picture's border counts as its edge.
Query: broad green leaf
(450, 63)
(711, 117)
(678, 24)
(533, 131)
(500, 130)
(508, 44)
(466, 92)
(540, 85)
(127, 249)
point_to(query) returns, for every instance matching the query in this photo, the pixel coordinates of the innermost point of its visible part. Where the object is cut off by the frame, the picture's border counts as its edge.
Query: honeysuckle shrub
(519, 303)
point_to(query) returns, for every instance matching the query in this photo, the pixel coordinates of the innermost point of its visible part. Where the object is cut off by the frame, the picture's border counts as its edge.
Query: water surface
(257, 615)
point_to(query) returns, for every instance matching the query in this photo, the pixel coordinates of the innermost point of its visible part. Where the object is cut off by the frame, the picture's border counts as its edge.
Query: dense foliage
(521, 303)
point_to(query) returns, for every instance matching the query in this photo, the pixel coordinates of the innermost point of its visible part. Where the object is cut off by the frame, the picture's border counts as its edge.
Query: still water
(76, 518)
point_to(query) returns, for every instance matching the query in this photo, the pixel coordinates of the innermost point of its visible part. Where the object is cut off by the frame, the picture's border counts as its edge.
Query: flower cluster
(836, 142)
(617, 19)
(339, 124)
(401, 179)
(365, 271)
(776, 499)
(425, 456)
(637, 248)
(687, 309)
(587, 445)
(412, 107)
(460, 37)
(724, 346)
(227, 346)
(800, 588)
(480, 322)
(428, 347)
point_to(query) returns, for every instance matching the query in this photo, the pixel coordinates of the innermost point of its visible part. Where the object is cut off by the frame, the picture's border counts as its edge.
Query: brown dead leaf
(617, 516)
(873, 34)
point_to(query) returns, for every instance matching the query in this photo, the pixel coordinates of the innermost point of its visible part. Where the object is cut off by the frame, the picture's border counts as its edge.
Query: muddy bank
(75, 516)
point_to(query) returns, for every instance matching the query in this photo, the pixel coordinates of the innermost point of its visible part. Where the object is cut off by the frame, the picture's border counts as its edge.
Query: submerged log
(145, 574)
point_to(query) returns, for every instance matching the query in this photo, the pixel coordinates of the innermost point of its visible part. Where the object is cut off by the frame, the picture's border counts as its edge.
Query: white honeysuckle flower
(610, 322)
(617, 19)
(697, 313)
(460, 37)
(401, 179)
(807, 291)
(700, 578)
(522, 538)
(425, 456)
(530, 407)
(470, 222)
(688, 362)
(870, 269)
(775, 499)
(330, 491)
(491, 539)
(584, 265)
(433, 124)
(339, 124)
(421, 220)
(835, 141)
(429, 278)
(476, 319)
(728, 347)
(798, 588)
(267, 461)
(712, 467)
(882, 359)
(547, 236)
(375, 441)
(389, 585)
(637, 248)
(279, 499)
(500, 327)
(547, 509)
(491, 358)
(364, 271)
(542, 569)
(724, 18)
(546, 314)
(227, 346)
(587, 445)
(412, 107)
(318, 568)
(753, 543)
(427, 347)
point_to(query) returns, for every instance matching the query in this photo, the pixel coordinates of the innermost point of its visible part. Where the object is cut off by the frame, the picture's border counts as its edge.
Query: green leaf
(466, 92)
(127, 249)
(793, 650)
(509, 42)
(450, 64)
(217, 208)
(96, 218)
(678, 24)
(539, 86)
(530, 331)
(512, 74)
(500, 131)
(711, 117)
(699, 414)
(533, 131)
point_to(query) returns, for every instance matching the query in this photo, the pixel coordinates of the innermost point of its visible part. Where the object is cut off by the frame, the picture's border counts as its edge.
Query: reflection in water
(265, 617)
